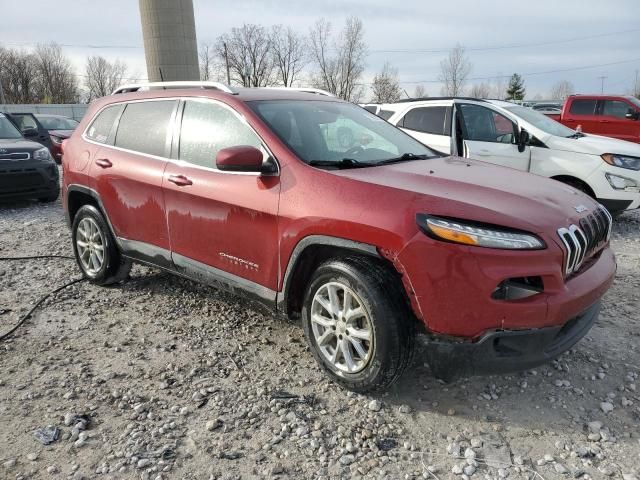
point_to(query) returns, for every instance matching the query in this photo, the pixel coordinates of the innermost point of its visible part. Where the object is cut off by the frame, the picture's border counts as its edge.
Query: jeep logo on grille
(580, 208)
(3, 150)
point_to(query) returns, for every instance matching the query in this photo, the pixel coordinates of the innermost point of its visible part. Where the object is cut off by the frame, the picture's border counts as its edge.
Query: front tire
(357, 324)
(95, 248)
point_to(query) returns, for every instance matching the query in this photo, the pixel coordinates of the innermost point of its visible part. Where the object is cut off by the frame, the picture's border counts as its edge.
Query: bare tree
(339, 63)
(385, 86)
(56, 81)
(499, 87)
(420, 92)
(247, 51)
(454, 71)
(562, 90)
(102, 77)
(480, 90)
(18, 76)
(289, 53)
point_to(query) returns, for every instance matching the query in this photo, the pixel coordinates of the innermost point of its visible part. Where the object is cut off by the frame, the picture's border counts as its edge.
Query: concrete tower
(169, 31)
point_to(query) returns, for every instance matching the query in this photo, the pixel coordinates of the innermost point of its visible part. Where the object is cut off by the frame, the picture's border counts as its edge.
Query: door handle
(180, 180)
(104, 163)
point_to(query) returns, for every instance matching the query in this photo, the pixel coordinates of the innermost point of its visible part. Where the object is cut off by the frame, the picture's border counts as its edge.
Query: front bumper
(615, 200)
(503, 351)
(28, 179)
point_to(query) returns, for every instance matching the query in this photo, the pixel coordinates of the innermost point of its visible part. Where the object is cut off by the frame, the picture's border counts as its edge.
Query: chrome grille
(583, 240)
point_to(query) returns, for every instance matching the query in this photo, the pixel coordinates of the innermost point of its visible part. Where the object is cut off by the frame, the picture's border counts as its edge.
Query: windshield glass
(7, 129)
(57, 123)
(321, 131)
(541, 121)
(635, 101)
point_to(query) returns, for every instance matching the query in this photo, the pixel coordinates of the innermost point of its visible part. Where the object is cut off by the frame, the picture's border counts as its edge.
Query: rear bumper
(504, 351)
(28, 179)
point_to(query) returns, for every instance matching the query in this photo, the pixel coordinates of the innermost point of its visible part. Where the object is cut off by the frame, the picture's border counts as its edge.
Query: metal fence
(75, 111)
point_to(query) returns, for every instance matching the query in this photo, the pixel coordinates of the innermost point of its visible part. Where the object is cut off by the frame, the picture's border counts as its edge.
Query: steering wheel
(354, 150)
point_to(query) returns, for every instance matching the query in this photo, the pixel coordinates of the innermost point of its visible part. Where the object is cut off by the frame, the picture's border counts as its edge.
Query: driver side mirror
(523, 140)
(632, 114)
(30, 132)
(244, 158)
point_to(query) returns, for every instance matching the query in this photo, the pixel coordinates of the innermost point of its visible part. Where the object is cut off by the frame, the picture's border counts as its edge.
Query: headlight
(470, 233)
(42, 154)
(622, 161)
(621, 183)
(56, 140)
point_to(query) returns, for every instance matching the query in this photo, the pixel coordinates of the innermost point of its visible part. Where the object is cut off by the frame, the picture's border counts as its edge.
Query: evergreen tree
(516, 90)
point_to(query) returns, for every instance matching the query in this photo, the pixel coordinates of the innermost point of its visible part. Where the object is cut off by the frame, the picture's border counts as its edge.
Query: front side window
(207, 128)
(143, 127)
(615, 108)
(329, 131)
(428, 120)
(101, 126)
(583, 107)
(8, 129)
(485, 125)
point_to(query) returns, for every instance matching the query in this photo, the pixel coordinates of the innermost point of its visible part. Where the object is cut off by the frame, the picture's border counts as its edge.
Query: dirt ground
(163, 378)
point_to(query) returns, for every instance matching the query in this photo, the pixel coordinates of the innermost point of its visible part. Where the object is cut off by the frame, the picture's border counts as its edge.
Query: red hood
(61, 133)
(480, 191)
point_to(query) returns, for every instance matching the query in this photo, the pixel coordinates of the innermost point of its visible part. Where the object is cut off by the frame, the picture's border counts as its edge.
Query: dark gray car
(27, 169)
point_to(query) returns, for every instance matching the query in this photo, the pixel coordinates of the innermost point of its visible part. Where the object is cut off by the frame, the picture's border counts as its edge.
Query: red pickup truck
(614, 116)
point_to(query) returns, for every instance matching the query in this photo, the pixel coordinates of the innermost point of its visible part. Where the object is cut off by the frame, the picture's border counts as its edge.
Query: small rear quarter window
(101, 126)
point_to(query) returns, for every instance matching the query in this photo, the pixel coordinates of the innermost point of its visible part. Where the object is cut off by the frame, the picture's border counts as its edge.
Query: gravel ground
(162, 378)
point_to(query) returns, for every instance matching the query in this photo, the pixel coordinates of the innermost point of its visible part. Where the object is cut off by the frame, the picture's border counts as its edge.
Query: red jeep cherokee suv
(369, 237)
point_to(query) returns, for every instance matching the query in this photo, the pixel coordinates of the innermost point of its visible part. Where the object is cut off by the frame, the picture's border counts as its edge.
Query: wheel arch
(308, 254)
(571, 180)
(79, 195)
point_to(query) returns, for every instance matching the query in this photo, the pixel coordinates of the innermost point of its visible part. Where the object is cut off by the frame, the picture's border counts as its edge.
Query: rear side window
(207, 128)
(428, 120)
(615, 108)
(102, 124)
(583, 107)
(143, 127)
(385, 114)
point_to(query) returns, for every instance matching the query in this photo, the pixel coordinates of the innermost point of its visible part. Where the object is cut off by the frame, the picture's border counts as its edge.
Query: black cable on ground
(6, 335)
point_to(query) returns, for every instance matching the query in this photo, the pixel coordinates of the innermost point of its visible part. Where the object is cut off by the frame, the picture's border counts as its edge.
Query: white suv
(514, 136)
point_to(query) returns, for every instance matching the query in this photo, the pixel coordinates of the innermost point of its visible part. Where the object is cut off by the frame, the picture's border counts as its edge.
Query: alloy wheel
(341, 327)
(90, 244)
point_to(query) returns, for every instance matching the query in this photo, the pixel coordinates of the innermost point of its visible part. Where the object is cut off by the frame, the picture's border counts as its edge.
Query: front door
(222, 225)
(491, 137)
(614, 122)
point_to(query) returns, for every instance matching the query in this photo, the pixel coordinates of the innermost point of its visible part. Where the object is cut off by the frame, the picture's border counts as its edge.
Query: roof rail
(422, 99)
(134, 87)
(317, 91)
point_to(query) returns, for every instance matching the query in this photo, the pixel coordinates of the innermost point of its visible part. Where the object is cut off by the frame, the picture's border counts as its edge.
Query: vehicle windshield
(635, 101)
(335, 133)
(7, 129)
(57, 123)
(538, 120)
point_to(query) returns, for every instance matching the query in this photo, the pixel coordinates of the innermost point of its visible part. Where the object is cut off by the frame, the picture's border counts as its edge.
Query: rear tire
(355, 305)
(95, 248)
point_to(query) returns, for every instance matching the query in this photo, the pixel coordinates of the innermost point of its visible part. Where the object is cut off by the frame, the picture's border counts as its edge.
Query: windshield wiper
(343, 163)
(576, 135)
(405, 157)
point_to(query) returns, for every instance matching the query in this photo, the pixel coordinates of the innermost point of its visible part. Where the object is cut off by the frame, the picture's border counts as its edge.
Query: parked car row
(366, 232)
(48, 130)
(511, 135)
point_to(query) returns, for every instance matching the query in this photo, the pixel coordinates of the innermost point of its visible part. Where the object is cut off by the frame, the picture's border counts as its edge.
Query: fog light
(622, 183)
(517, 288)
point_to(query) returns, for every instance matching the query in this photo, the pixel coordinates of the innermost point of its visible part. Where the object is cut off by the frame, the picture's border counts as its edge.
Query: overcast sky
(584, 39)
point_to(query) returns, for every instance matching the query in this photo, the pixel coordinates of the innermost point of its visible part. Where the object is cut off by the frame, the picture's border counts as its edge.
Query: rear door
(614, 123)
(491, 137)
(223, 225)
(128, 177)
(583, 112)
(431, 125)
